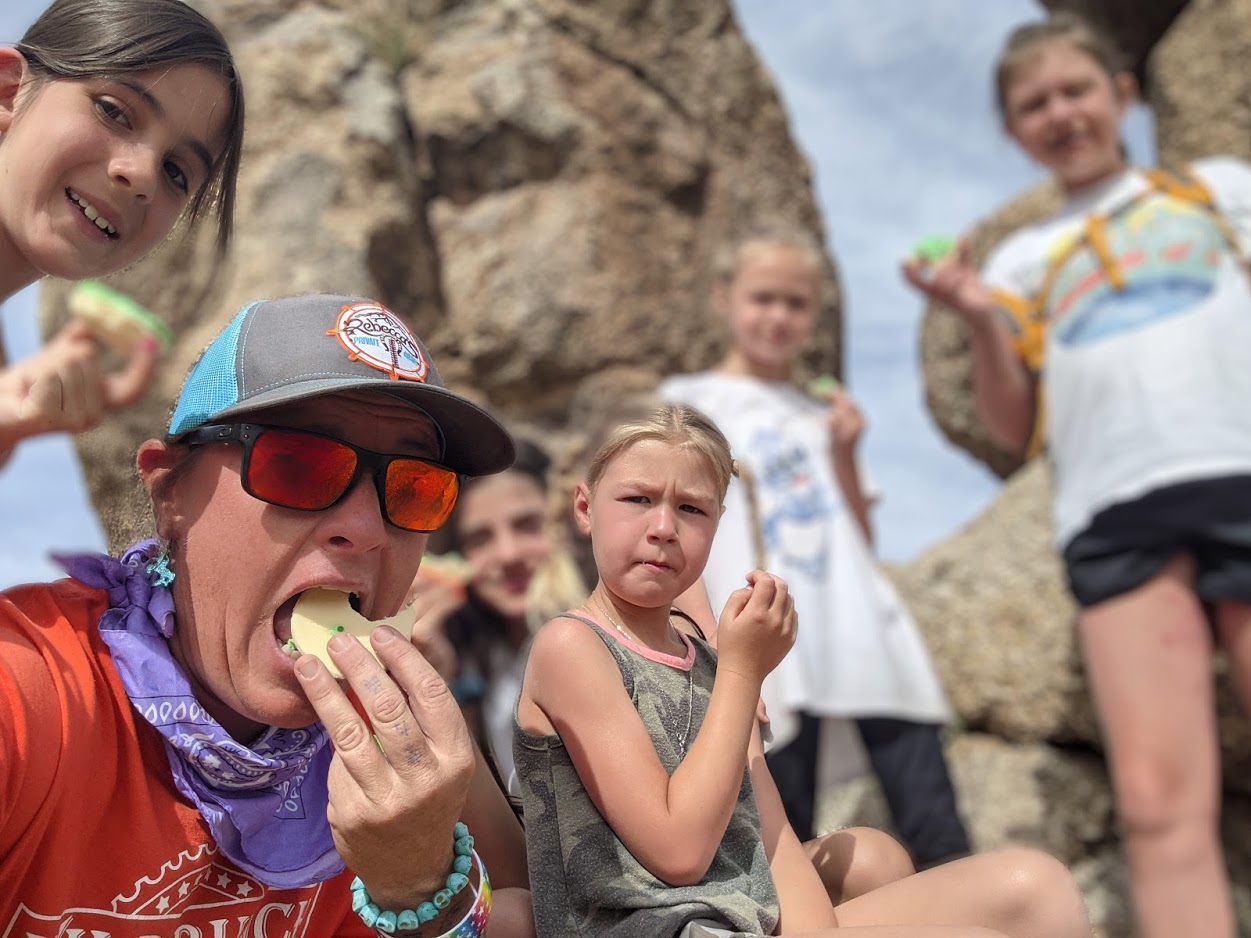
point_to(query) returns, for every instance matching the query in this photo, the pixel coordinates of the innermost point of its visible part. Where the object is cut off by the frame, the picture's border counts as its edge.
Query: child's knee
(858, 860)
(1037, 887)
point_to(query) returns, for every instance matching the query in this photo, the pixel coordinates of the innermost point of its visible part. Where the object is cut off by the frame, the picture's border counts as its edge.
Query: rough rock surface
(1134, 25)
(538, 185)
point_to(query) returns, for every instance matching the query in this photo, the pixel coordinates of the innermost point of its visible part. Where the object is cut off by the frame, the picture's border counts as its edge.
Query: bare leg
(857, 860)
(1016, 892)
(512, 915)
(1233, 623)
(1148, 660)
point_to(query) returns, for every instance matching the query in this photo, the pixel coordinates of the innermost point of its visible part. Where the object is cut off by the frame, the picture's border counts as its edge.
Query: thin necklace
(690, 685)
(599, 604)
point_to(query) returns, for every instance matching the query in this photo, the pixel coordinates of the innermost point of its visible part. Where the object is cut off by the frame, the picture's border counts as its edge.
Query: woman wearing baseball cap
(169, 763)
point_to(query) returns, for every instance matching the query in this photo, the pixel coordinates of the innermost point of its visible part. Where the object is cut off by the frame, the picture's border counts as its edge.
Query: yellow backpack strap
(1028, 320)
(1028, 327)
(1097, 237)
(1181, 184)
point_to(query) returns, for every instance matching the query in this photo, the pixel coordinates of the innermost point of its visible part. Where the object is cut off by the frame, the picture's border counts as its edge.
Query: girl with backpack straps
(1134, 303)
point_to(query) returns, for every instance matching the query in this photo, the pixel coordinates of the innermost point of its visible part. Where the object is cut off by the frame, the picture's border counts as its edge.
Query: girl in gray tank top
(638, 751)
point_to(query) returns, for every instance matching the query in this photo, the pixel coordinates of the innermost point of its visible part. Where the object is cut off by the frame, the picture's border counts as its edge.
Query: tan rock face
(1134, 25)
(1200, 90)
(538, 186)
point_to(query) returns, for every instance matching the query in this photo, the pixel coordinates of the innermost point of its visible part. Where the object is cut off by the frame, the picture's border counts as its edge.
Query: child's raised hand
(757, 627)
(845, 420)
(953, 281)
(62, 387)
(434, 600)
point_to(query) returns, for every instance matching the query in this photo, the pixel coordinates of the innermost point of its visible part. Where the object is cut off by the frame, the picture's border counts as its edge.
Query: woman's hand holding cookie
(393, 801)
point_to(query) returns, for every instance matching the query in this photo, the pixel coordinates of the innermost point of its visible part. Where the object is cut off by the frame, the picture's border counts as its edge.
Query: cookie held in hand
(321, 614)
(823, 387)
(116, 318)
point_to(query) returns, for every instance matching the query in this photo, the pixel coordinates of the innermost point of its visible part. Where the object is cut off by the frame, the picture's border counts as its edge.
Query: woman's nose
(357, 521)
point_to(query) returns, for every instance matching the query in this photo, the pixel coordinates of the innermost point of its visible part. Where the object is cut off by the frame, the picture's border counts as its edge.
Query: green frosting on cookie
(933, 248)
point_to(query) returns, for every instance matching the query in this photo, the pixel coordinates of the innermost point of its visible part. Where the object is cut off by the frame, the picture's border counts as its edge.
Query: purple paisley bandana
(265, 805)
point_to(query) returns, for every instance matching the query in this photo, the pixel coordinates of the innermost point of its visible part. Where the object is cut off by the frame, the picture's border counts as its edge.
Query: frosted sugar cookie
(115, 317)
(823, 387)
(321, 614)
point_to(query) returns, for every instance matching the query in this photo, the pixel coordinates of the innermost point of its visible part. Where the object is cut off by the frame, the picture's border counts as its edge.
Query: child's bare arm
(695, 603)
(672, 824)
(1002, 385)
(804, 902)
(846, 424)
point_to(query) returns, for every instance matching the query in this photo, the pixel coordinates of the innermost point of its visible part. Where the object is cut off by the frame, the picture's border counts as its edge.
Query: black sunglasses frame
(246, 434)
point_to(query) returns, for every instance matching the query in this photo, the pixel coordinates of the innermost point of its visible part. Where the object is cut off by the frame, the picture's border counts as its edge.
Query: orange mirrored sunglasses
(311, 472)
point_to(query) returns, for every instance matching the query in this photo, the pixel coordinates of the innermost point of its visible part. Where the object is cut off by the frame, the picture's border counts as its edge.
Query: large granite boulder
(538, 186)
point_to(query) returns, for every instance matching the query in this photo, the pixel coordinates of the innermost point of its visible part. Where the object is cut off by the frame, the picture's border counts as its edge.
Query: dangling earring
(158, 570)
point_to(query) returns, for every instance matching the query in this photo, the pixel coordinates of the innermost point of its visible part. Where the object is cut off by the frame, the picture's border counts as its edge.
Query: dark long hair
(475, 627)
(78, 39)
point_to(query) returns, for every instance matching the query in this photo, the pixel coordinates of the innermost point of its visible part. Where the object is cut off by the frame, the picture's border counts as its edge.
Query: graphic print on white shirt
(1169, 252)
(795, 508)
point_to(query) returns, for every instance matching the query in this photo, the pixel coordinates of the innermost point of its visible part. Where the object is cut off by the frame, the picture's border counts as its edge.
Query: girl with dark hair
(118, 118)
(518, 575)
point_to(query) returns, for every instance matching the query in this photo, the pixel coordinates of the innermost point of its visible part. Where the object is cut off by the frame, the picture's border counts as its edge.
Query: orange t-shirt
(95, 840)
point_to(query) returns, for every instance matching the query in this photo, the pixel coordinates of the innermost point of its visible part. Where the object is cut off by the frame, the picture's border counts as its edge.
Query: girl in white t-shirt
(859, 680)
(1146, 305)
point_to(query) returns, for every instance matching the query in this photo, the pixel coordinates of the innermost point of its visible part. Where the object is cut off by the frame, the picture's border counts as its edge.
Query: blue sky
(891, 101)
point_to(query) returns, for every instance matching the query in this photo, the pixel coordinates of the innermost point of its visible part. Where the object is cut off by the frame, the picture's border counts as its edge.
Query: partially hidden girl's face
(95, 173)
(651, 517)
(1065, 111)
(501, 531)
(770, 306)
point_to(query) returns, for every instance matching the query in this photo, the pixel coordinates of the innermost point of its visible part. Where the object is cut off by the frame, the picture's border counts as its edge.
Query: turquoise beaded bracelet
(471, 926)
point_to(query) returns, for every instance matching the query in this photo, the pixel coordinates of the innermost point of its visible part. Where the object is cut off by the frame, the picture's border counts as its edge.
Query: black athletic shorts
(1127, 544)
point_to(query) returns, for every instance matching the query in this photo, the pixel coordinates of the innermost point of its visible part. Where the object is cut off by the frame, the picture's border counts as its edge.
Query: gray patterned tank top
(583, 879)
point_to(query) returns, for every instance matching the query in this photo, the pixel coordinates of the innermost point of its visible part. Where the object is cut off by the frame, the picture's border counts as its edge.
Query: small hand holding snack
(944, 272)
(393, 803)
(757, 627)
(846, 422)
(437, 592)
(450, 570)
(63, 387)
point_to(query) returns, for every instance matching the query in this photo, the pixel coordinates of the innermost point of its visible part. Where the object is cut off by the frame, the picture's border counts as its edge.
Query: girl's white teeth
(92, 215)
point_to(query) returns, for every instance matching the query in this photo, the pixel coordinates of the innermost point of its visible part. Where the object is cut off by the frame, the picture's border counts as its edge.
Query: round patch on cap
(373, 334)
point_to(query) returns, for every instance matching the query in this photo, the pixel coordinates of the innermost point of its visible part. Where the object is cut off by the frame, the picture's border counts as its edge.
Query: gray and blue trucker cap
(288, 349)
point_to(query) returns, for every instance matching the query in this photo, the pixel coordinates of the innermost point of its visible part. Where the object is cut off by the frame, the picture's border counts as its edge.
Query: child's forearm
(704, 790)
(1002, 386)
(847, 476)
(805, 905)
